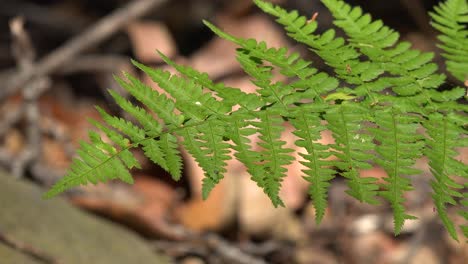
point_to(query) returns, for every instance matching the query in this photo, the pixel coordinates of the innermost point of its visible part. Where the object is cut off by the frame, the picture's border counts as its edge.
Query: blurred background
(58, 58)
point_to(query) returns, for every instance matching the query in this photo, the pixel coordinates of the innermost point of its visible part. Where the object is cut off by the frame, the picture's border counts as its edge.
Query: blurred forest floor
(58, 58)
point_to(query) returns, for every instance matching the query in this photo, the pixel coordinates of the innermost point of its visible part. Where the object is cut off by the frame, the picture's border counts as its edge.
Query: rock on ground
(61, 231)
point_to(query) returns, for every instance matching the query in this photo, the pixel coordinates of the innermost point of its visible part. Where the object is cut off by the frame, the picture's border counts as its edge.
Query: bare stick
(230, 252)
(95, 34)
(24, 53)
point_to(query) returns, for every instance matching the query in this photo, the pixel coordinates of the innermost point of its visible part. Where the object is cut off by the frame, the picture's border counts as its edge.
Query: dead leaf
(373, 247)
(213, 213)
(145, 206)
(14, 142)
(149, 36)
(217, 58)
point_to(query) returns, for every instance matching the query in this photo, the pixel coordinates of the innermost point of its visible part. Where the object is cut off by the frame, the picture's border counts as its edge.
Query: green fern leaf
(274, 157)
(127, 157)
(231, 96)
(205, 144)
(450, 18)
(162, 106)
(95, 165)
(399, 147)
(381, 93)
(189, 97)
(318, 173)
(168, 145)
(444, 136)
(353, 149)
(239, 133)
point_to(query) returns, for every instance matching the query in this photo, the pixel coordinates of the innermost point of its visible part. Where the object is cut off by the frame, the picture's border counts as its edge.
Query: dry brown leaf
(421, 254)
(420, 41)
(144, 206)
(257, 215)
(373, 247)
(217, 58)
(149, 36)
(73, 117)
(213, 213)
(310, 254)
(14, 142)
(54, 154)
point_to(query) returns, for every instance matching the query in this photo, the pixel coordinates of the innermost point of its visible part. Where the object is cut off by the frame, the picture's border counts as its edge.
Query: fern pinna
(381, 95)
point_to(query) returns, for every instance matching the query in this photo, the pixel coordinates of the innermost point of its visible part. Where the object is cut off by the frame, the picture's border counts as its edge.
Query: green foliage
(380, 98)
(450, 18)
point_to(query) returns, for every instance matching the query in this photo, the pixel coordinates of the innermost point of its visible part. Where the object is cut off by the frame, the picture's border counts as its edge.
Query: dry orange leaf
(149, 36)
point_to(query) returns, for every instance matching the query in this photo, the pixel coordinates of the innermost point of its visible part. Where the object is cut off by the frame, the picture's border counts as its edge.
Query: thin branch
(206, 245)
(24, 53)
(229, 252)
(97, 63)
(98, 32)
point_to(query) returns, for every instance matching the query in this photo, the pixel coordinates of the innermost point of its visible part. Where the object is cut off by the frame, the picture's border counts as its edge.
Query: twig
(96, 63)
(205, 245)
(25, 54)
(44, 16)
(177, 249)
(229, 252)
(262, 249)
(98, 32)
(27, 249)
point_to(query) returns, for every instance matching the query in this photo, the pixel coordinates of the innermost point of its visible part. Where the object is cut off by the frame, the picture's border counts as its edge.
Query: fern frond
(271, 93)
(399, 147)
(231, 96)
(126, 127)
(147, 121)
(450, 18)
(172, 156)
(353, 149)
(319, 171)
(273, 157)
(99, 162)
(464, 213)
(412, 71)
(188, 96)
(239, 133)
(343, 58)
(127, 157)
(290, 65)
(205, 143)
(363, 32)
(162, 106)
(381, 93)
(444, 137)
